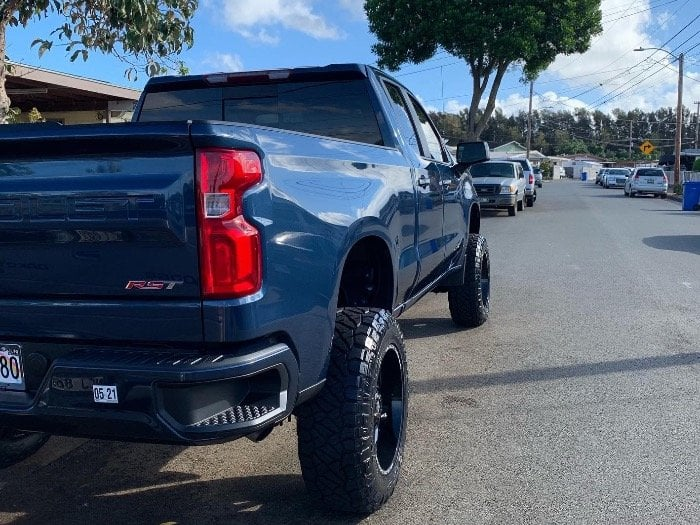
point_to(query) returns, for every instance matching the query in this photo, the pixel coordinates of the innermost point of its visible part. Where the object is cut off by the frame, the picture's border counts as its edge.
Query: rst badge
(152, 285)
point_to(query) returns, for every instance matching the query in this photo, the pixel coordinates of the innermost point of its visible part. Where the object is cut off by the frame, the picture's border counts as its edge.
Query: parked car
(599, 176)
(538, 177)
(499, 184)
(615, 177)
(530, 190)
(652, 181)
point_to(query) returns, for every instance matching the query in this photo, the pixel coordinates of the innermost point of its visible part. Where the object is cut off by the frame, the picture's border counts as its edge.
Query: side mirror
(469, 153)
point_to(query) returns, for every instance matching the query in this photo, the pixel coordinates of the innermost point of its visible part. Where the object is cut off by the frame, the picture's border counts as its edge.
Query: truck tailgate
(98, 233)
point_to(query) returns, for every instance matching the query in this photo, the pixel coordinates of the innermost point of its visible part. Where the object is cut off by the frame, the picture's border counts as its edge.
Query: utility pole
(679, 123)
(529, 124)
(630, 150)
(697, 123)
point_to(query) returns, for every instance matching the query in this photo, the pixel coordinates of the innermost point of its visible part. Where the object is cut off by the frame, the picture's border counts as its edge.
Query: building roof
(48, 91)
(510, 147)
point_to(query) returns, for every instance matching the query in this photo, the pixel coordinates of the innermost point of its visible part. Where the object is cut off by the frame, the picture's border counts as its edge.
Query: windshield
(496, 169)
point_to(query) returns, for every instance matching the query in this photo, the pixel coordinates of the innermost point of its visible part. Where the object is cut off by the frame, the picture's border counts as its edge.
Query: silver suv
(530, 189)
(647, 180)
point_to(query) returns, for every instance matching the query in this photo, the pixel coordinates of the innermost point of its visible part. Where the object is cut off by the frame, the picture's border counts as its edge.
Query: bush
(696, 164)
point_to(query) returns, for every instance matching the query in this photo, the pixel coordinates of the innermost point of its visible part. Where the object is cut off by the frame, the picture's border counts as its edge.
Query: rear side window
(337, 109)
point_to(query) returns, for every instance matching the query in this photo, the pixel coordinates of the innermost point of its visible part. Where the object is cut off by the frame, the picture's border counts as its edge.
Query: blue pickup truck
(236, 255)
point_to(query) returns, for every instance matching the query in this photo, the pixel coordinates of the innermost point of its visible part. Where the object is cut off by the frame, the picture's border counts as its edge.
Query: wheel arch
(366, 276)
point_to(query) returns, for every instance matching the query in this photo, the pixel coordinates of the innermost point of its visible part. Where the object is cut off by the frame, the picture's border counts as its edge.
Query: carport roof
(49, 91)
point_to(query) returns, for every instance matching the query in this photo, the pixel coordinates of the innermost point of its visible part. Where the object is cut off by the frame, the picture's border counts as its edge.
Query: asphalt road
(577, 402)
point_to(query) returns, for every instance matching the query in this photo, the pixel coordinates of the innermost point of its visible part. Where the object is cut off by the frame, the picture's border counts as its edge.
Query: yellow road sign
(647, 147)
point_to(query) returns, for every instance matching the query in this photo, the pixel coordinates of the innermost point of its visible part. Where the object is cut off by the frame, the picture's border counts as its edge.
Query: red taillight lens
(229, 247)
(531, 179)
(636, 177)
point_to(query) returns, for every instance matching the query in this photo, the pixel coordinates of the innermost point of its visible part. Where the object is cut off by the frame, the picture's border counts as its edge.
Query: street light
(679, 111)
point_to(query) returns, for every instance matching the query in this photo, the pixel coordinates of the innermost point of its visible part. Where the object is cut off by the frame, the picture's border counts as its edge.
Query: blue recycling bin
(584, 175)
(691, 196)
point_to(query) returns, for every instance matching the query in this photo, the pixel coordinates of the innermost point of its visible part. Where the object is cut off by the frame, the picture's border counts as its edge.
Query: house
(515, 149)
(68, 99)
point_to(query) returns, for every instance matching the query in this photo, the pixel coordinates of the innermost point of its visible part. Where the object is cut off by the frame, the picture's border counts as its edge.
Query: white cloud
(610, 74)
(224, 62)
(257, 19)
(664, 20)
(354, 7)
(454, 106)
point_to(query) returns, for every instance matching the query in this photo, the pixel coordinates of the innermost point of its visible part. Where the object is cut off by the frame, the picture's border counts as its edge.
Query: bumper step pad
(237, 414)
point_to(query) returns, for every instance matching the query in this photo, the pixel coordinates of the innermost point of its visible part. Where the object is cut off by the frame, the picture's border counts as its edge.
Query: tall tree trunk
(4, 99)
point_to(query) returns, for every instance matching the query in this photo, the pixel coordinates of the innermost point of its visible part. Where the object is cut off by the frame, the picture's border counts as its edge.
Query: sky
(236, 35)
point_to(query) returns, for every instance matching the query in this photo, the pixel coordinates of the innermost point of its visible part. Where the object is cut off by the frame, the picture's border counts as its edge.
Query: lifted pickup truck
(236, 255)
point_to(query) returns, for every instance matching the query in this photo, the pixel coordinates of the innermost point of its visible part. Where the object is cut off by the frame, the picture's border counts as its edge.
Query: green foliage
(13, 115)
(34, 116)
(563, 132)
(490, 36)
(145, 34)
(547, 169)
(696, 164)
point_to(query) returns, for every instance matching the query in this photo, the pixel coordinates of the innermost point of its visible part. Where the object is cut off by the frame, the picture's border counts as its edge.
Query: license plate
(105, 393)
(484, 199)
(651, 181)
(11, 372)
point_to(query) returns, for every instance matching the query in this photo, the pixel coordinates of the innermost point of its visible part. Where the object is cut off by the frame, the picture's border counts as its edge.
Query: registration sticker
(11, 373)
(105, 393)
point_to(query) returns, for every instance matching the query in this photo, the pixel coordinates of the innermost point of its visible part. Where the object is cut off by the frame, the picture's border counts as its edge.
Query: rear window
(338, 109)
(618, 172)
(651, 172)
(492, 170)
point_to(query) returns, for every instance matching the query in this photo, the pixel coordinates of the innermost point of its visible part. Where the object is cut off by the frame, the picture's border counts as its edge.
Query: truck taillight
(229, 247)
(531, 179)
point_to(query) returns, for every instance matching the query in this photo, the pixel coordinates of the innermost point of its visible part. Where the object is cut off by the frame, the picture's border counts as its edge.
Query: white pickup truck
(499, 184)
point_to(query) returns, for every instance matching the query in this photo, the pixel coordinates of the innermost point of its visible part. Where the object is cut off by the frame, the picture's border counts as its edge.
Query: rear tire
(16, 445)
(664, 195)
(530, 202)
(470, 302)
(352, 434)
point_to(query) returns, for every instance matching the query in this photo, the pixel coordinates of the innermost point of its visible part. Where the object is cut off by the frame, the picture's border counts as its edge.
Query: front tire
(470, 302)
(16, 445)
(352, 434)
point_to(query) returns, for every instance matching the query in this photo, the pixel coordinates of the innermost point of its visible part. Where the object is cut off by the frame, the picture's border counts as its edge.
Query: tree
(144, 34)
(490, 36)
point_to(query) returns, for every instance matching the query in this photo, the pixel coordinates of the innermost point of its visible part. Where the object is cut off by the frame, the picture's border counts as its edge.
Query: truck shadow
(675, 243)
(107, 482)
(421, 328)
(554, 373)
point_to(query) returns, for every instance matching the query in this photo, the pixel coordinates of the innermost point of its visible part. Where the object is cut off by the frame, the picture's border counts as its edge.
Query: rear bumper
(657, 190)
(164, 397)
